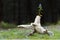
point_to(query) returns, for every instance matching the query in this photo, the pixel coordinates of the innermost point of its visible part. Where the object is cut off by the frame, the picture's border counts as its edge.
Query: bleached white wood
(36, 25)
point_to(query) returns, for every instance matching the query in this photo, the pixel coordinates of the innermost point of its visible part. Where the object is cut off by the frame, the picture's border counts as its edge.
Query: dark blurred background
(24, 11)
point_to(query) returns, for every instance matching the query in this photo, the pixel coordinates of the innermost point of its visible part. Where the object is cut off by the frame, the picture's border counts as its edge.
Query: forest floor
(21, 34)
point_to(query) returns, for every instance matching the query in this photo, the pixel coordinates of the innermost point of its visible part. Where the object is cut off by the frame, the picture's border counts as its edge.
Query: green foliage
(7, 25)
(40, 9)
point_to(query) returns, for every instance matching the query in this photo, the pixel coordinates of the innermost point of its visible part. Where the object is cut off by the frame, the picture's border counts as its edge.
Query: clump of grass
(7, 25)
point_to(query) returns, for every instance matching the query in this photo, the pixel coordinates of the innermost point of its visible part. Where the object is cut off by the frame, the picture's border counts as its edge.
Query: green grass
(21, 33)
(18, 33)
(6, 25)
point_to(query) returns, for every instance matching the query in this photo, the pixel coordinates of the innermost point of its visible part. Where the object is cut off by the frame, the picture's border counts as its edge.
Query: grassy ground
(20, 33)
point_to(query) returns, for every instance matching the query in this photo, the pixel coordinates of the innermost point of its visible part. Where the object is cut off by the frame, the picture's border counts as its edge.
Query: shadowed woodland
(24, 11)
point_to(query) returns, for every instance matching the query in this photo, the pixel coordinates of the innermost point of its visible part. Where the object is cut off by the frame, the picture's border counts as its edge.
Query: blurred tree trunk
(47, 13)
(27, 9)
(1, 5)
(24, 11)
(10, 11)
(51, 11)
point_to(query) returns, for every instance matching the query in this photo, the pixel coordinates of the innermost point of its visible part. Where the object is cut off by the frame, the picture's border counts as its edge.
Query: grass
(7, 25)
(21, 33)
(18, 33)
